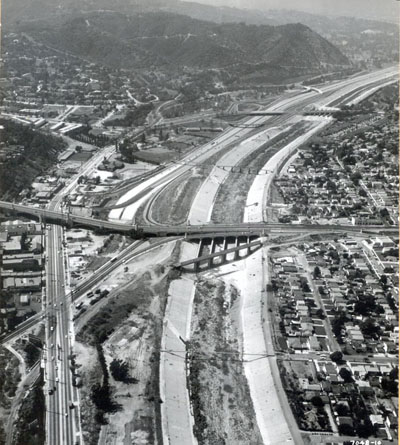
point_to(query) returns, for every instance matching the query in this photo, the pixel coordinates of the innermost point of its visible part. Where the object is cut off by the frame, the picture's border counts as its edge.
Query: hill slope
(173, 40)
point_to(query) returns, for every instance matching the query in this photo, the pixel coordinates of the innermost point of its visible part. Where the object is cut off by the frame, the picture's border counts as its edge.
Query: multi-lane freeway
(292, 105)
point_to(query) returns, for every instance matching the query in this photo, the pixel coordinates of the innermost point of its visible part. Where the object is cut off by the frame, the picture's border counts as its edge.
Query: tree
(390, 383)
(360, 308)
(370, 328)
(32, 354)
(342, 409)
(364, 429)
(320, 314)
(305, 287)
(317, 272)
(338, 323)
(363, 193)
(346, 430)
(317, 401)
(384, 212)
(25, 242)
(337, 357)
(355, 177)
(346, 375)
(394, 373)
(120, 371)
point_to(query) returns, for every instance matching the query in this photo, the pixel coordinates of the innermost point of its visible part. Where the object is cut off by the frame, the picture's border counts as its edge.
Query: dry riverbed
(220, 396)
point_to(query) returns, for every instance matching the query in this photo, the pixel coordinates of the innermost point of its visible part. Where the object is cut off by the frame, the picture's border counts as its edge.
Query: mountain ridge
(178, 40)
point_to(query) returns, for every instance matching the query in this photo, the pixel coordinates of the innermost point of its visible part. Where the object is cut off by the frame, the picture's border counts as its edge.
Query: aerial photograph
(199, 222)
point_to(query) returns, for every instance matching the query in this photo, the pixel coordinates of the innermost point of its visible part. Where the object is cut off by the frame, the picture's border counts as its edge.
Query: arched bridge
(213, 252)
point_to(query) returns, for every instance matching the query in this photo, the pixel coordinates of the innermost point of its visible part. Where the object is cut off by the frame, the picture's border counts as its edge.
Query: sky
(378, 9)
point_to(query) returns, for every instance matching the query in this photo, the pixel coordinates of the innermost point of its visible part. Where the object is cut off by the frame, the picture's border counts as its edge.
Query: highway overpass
(193, 231)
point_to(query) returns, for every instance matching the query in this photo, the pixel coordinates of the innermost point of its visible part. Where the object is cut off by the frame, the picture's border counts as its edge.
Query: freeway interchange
(62, 397)
(293, 106)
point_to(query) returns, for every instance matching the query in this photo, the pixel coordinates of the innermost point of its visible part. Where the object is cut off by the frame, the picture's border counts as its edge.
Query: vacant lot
(128, 326)
(173, 204)
(83, 156)
(156, 155)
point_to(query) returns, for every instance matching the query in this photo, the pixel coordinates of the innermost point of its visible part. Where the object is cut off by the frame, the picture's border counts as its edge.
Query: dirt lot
(173, 204)
(83, 156)
(166, 151)
(220, 396)
(156, 155)
(129, 327)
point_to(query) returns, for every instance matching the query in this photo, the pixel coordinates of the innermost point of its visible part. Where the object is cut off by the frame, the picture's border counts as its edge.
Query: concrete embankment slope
(272, 414)
(177, 420)
(274, 417)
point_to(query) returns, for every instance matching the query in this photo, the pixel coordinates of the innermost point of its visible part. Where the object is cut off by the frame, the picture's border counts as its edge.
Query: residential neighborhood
(337, 332)
(22, 271)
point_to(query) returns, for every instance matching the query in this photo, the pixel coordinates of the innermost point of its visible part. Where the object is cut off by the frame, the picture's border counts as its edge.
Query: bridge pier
(196, 265)
(236, 254)
(212, 250)
(213, 245)
(225, 248)
(249, 248)
(200, 249)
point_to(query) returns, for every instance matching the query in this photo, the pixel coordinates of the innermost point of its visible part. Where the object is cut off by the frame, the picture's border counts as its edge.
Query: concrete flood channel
(177, 419)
